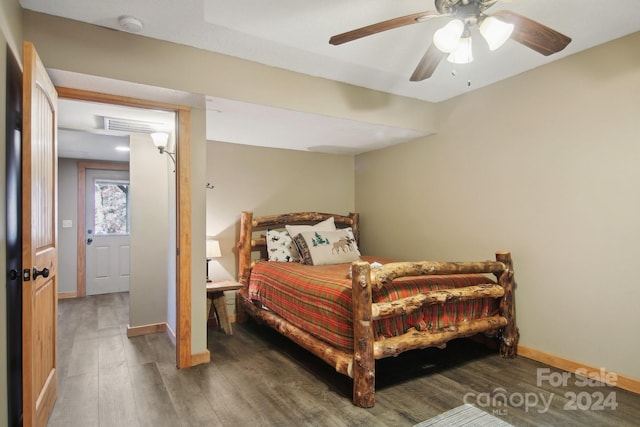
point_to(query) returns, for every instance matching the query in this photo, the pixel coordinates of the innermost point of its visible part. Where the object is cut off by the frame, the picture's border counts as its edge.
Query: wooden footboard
(360, 364)
(367, 350)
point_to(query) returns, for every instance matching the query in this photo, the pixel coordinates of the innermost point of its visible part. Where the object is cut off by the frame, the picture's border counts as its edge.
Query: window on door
(111, 207)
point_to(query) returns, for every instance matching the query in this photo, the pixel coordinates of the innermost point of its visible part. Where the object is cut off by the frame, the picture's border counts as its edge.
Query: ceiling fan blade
(381, 26)
(427, 64)
(532, 34)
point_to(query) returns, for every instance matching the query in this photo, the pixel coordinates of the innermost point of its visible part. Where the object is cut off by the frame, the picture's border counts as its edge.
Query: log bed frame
(360, 364)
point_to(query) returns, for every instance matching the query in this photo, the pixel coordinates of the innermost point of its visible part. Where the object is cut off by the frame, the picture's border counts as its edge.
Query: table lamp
(213, 251)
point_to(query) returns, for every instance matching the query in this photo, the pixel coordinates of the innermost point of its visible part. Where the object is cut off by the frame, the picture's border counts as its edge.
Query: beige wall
(10, 44)
(149, 232)
(67, 237)
(545, 165)
(269, 181)
(11, 26)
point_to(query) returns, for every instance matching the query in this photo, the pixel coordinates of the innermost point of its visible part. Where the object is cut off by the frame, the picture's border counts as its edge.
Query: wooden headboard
(250, 224)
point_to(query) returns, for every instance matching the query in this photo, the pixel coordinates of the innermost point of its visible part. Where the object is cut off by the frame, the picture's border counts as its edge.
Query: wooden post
(244, 247)
(510, 333)
(407, 305)
(340, 360)
(355, 226)
(244, 261)
(363, 338)
(388, 272)
(413, 339)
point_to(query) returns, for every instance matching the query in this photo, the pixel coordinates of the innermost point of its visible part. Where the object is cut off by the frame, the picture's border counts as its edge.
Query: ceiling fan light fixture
(495, 32)
(463, 53)
(446, 38)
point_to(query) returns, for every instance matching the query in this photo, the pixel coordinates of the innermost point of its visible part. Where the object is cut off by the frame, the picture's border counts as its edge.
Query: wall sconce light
(160, 140)
(213, 251)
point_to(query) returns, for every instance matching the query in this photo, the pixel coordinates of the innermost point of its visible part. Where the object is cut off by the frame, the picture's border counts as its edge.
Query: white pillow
(319, 247)
(326, 225)
(280, 247)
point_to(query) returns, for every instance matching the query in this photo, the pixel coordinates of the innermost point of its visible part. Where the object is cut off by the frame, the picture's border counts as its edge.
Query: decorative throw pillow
(319, 247)
(326, 225)
(280, 246)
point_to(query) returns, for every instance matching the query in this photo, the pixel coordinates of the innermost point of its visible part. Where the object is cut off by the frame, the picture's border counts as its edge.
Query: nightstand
(216, 301)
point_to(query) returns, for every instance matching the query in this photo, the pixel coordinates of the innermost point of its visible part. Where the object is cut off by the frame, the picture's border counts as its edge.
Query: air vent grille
(126, 125)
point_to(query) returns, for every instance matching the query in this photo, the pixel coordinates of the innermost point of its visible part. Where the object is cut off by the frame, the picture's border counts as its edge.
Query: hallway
(105, 378)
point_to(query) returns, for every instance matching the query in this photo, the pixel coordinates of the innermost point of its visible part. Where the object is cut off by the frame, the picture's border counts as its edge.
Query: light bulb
(495, 32)
(446, 38)
(462, 54)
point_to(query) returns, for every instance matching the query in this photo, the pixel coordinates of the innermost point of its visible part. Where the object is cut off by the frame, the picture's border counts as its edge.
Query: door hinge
(26, 274)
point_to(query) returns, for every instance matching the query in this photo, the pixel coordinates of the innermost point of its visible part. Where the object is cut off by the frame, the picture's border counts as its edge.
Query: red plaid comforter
(317, 299)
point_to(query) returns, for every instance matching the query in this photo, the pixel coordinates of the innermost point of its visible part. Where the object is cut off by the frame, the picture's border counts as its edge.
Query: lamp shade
(462, 54)
(446, 38)
(495, 32)
(213, 249)
(160, 139)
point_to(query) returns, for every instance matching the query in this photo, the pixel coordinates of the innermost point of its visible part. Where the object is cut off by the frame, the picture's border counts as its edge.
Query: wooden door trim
(183, 228)
(105, 98)
(183, 207)
(81, 289)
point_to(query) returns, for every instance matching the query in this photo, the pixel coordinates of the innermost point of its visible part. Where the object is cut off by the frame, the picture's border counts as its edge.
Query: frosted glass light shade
(446, 38)
(495, 32)
(462, 54)
(160, 139)
(213, 249)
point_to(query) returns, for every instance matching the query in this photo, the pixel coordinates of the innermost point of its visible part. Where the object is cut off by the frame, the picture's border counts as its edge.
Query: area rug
(464, 416)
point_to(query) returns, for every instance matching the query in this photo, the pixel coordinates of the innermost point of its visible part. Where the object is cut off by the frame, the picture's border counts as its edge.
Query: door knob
(89, 241)
(44, 272)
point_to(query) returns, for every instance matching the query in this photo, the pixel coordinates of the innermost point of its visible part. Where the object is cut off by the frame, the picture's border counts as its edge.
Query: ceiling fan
(454, 39)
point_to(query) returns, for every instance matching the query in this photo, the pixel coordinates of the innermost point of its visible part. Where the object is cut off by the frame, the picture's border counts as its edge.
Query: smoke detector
(130, 23)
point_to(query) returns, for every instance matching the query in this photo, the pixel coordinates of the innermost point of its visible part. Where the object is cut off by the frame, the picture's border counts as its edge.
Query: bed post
(510, 334)
(244, 247)
(355, 227)
(364, 363)
(244, 261)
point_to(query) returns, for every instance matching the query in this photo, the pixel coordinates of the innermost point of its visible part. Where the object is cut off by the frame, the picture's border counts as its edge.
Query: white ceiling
(82, 134)
(294, 34)
(227, 121)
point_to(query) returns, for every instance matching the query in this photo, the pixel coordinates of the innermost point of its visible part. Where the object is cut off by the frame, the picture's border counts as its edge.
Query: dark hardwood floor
(258, 378)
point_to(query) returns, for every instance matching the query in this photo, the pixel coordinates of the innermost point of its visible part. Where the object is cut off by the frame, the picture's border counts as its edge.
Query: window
(111, 207)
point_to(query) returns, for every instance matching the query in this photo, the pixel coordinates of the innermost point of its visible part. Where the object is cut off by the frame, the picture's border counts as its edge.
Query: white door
(107, 237)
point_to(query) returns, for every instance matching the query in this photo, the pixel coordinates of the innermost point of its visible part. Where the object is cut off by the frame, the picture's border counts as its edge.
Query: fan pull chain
(469, 55)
